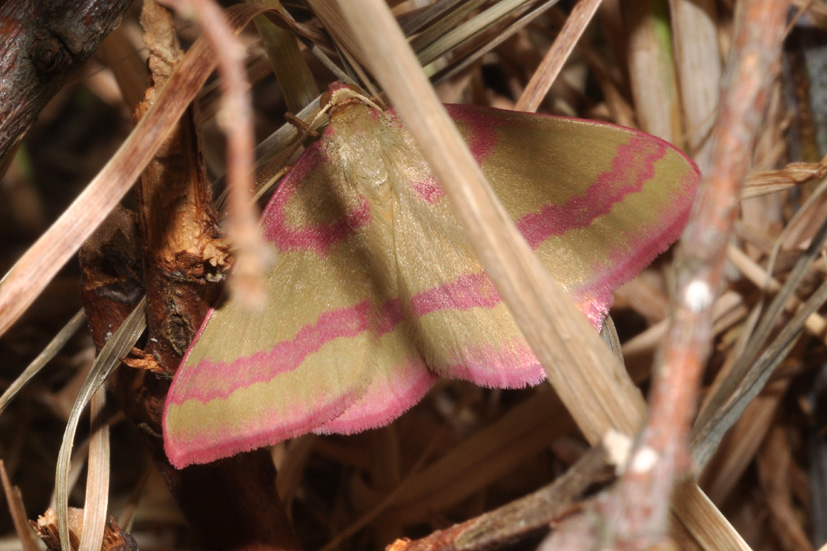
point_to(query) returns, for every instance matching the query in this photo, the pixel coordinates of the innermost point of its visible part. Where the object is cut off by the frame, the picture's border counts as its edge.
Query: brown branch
(639, 506)
(41, 262)
(178, 222)
(44, 43)
(523, 518)
(230, 504)
(236, 119)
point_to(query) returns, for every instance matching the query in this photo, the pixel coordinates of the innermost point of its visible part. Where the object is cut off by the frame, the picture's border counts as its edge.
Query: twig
(524, 517)
(557, 55)
(18, 511)
(236, 119)
(639, 505)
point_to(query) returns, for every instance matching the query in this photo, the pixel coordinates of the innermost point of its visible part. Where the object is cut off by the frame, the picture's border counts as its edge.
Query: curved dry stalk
(109, 358)
(43, 358)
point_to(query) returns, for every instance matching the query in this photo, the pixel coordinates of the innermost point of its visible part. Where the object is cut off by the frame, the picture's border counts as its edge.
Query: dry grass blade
(294, 77)
(97, 479)
(29, 276)
(440, 26)
(738, 448)
(43, 358)
(722, 390)
(424, 17)
(762, 182)
(473, 27)
(557, 55)
(651, 73)
(752, 370)
(774, 464)
(18, 511)
(815, 324)
(371, 515)
(109, 358)
(483, 458)
(525, 516)
(462, 62)
(699, 69)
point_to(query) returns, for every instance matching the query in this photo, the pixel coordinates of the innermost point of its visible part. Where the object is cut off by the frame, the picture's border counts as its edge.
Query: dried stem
(97, 480)
(525, 517)
(639, 507)
(557, 55)
(236, 119)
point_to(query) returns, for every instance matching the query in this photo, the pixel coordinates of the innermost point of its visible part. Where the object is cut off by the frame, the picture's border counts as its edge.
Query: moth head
(341, 94)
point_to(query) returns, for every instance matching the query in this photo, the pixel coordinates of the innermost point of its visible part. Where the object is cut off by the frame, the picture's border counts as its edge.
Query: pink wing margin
(356, 357)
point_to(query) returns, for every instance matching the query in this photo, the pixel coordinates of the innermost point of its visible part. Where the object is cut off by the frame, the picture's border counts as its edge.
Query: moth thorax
(374, 182)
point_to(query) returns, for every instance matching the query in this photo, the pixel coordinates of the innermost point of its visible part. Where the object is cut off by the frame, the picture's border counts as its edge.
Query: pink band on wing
(609, 188)
(467, 291)
(483, 138)
(320, 237)
(429, 190)
(186, 447)
(389, 316)
(384, 400)
(263, 366)
(624, 265)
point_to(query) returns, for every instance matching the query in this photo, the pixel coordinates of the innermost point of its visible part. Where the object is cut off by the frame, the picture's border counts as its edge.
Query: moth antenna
(303, 128)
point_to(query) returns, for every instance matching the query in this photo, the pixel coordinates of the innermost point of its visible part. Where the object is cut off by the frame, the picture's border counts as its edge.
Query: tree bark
(44, 43)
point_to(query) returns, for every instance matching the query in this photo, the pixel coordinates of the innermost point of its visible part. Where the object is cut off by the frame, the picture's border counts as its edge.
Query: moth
(376, 291)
